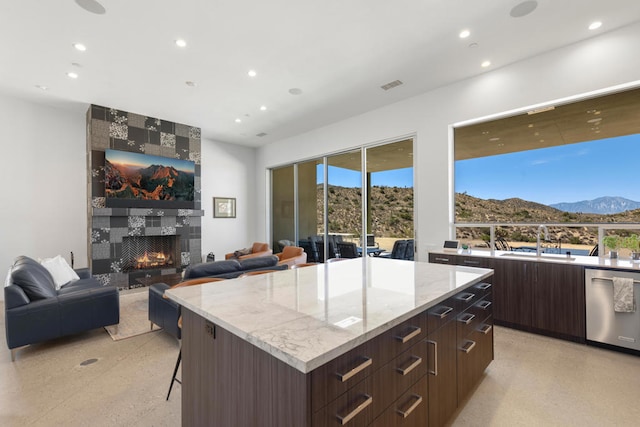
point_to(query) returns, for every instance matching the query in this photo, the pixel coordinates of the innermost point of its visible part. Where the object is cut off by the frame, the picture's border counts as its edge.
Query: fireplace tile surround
(120, 130)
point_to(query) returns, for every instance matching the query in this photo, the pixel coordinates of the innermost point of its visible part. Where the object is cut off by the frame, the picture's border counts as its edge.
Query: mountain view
(391, 210)
(155, 182)
(472, 209)
(601, 205)
(392, 215)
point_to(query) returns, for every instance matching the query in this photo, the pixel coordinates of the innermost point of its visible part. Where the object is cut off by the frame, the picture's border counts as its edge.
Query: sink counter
(308, 316)
(582, 260)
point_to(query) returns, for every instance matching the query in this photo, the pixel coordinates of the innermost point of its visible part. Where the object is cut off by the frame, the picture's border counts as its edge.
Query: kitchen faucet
(541, 227)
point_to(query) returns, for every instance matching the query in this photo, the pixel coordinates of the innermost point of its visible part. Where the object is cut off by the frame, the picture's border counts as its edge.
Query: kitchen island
(359, 342)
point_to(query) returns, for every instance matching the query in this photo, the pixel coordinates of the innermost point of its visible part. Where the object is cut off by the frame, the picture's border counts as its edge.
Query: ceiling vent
(261, 134)
(391, 85)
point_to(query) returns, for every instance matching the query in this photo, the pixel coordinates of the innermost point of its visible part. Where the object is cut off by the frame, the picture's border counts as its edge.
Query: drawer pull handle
(484, 286)
(466, 318)
(468, 297)
(416, 361)
(411, 408)
(468, 346)
(485, 329)
(434, 372)
(444, 313)
(366, 363)
(442, 259)
(467, 261)
(484, 304)
(356, 411)
(416, 331)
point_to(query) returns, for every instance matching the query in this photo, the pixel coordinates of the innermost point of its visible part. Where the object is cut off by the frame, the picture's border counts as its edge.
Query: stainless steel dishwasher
(604, 325)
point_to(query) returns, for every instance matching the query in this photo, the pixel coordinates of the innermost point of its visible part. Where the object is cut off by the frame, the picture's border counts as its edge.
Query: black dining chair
(347, 250)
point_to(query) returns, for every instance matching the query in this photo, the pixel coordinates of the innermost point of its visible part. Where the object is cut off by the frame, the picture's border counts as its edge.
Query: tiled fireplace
(131, 243)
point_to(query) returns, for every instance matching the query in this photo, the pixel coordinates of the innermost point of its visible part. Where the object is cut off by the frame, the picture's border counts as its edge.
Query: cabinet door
(559, 301)
(443, 395)
(512, 292)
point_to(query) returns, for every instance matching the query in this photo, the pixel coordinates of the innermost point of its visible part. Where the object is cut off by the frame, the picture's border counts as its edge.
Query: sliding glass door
(346, 204)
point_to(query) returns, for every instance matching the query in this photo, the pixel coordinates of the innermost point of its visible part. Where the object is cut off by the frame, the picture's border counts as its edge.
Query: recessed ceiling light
(263, 108)
(485, 64)
(80, 47)
(72, 75)
(595, 25)
(295, 91)
(181, 43)
(252, 73)
(464, 34)
(238, 121)
(190, 83)
(42, 87)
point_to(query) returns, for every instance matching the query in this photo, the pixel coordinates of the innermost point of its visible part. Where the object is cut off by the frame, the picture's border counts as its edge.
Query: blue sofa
(35, 311)
(165, 313)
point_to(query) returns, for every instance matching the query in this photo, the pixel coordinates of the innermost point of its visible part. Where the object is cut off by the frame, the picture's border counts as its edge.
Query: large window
(340, 199)
(571, 166)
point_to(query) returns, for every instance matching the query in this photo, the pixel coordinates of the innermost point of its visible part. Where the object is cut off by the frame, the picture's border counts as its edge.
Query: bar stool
(191, 282)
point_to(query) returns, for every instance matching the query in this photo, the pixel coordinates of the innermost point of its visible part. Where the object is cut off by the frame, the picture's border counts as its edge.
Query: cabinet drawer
(397, 376)
(337, 376)
(475, 352)
(482, 288)
(411, 409)
(441, 314)
(443, 259)
(467, 298)
(469, 320)
(354, 408)
(400, 338)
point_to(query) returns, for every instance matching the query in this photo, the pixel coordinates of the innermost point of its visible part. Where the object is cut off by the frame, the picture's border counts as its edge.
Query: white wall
(229, 172)
(44, 185)
(600, 62)
(43, 211)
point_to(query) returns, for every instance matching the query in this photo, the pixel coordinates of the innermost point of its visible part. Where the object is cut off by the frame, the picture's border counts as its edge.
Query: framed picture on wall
(224, 207)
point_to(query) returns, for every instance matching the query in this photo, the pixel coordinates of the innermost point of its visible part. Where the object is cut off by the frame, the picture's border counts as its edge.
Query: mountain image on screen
(154, 182)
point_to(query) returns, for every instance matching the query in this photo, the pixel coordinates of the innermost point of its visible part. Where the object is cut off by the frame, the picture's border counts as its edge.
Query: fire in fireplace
(149, 252)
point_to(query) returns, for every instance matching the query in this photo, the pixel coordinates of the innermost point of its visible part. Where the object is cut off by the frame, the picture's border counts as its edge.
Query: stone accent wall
(120, 130)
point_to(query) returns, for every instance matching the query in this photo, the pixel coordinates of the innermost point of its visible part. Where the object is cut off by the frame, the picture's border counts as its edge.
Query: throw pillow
(61, 272)
(240, 252)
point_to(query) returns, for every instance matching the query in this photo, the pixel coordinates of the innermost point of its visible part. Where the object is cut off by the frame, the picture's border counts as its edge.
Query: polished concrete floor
(533, 381)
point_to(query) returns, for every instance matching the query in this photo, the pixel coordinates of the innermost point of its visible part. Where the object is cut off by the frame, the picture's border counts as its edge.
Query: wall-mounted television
(136, 180)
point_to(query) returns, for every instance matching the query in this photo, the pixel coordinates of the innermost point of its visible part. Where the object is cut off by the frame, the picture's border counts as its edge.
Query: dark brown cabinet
(407, 376)
(512, 292)
(558, 301)
(541, 297)
(442, 373)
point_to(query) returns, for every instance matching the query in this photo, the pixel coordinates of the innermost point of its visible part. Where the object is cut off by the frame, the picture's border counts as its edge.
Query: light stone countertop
(309, 316)
(583, 260)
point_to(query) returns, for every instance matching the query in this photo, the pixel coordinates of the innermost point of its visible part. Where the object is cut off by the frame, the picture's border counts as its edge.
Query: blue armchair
(35, 311)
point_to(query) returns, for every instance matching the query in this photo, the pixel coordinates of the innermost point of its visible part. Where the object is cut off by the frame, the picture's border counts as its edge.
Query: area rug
(134, 315)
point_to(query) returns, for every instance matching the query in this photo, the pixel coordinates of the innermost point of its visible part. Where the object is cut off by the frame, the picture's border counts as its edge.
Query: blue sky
(568, 173)
(348, 178)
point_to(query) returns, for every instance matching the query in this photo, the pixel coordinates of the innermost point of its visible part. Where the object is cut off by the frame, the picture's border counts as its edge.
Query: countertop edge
(579, 260)
(306, 367)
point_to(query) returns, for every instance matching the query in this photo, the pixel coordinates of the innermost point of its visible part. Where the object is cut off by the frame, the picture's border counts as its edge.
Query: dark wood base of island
(415, 374)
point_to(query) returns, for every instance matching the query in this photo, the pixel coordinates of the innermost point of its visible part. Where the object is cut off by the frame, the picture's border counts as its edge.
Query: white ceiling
(338, 53)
